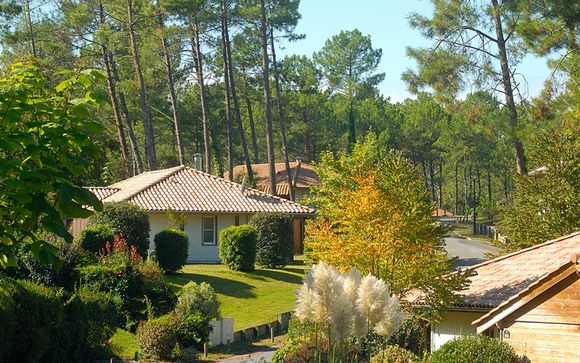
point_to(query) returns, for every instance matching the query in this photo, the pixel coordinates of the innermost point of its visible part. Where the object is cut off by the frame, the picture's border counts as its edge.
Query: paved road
(470, 252)
(256, 357)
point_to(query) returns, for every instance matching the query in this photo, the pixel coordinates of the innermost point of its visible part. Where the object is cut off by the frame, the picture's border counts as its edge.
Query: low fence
(223, 330)
(481, 228)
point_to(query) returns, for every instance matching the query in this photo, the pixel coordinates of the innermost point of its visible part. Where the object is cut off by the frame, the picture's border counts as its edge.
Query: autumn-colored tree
(374, 214)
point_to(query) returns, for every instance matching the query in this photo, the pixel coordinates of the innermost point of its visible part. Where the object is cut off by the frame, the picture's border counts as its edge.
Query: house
(530, 299)
(303, 177)
(208, 203)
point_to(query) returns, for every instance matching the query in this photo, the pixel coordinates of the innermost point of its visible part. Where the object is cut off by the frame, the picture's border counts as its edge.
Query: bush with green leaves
(475, 349)
(410, 336)
(171, 249)
(158, 337)
(128, 221)
(198, 297)
(394, 354)
(48, 324)
(275, 243)
(238, 247)
(94, 238)
(193, 329)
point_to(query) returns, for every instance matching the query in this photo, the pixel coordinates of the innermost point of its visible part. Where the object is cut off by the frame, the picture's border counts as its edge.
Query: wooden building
(529, 299)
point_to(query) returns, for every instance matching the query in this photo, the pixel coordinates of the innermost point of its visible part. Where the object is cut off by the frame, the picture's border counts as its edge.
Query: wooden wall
(548, 328)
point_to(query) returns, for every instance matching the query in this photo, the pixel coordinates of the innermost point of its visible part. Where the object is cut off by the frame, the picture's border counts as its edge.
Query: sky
(386, 22)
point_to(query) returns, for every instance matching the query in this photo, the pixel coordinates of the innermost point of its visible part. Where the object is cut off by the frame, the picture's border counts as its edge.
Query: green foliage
(47, 141)
(275, 244)
(411, 336)
(171, 249)
(128, 221)
(374, 214)
(193, 329)
(238, 247)
(158, 337)
(94, 238)
(546, 203)
(475, 349)
(394, 354)
(198, 297)
(297, 330)
(46, 324)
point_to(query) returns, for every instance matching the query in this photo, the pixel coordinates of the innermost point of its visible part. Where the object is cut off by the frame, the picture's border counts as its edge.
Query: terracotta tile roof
(188, 190)
(103, 192)
(306, 176)
(502, 278)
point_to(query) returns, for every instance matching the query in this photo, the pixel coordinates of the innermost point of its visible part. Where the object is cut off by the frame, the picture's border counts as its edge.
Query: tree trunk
(31, 34)
(508, 89)
(198, 64)
(432, 179)
(252, 128)
(229, 146)
(147, 124)
(113, 96)
(138, 163)
(440, 184)
(267, 106)
(456, 187)
(351, 126)
(308, 152)
(489, 186)
(465, 191)
(234, 94)
(281, 117)
(170, 85)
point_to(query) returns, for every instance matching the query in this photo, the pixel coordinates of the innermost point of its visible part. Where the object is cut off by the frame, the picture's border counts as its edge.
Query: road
(469, 251)
(262, 356)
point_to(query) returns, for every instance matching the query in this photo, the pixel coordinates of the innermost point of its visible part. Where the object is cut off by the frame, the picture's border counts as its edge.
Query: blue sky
(386, 22)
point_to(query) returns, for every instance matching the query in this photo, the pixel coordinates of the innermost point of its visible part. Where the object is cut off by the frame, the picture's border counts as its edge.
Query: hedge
(94, 238)
(238, 247)
(171, 249)
(475, 349)
(275, 243)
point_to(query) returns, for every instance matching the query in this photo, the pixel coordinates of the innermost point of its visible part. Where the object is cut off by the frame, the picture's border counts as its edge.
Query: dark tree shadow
(280, 275)
(222, 286)
(465, 262)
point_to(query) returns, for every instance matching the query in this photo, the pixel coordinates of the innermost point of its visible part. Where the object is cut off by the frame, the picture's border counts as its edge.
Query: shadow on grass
(222, 286)
(280, 276)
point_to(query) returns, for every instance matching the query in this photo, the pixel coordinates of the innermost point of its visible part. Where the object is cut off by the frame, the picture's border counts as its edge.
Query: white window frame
(214, 230)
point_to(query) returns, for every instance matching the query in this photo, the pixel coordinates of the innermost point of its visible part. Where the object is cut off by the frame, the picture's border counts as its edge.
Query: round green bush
(275, 243)
(394, 354)
(198, 297)
(238, 247)
(475, 349)
(158, 337)
(128, 221)
(94, 238)
(193, 329)
(171, 249)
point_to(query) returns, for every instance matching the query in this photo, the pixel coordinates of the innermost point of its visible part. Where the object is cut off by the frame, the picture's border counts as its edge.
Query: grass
(466, 229)
(251, 298)
(124, 344)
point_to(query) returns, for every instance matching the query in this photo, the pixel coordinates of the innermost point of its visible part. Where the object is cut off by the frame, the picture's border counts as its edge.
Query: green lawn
(251, 298)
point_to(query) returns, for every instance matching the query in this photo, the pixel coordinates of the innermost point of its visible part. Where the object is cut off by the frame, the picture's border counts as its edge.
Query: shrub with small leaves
(94, 238)
(158, 337)
(198, 297)
(394, 354)
(128, 221)
(475, 349)
(275, 243)
(238, 247)
(193, 329)
(171, 249)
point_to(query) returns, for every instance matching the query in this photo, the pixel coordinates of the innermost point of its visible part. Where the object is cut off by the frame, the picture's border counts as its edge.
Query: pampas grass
(345, 306)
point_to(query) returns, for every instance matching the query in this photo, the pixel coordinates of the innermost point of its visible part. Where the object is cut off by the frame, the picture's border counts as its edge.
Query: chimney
(198, 161)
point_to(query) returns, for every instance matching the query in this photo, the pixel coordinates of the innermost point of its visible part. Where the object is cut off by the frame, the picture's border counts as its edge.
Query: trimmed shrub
(475, 349)
(158, 337)
(94, 238)
(238, 247)
(198, 297)
(171, 249)
(8, 321)
(410, 336)
(128, 221)
(193, 329)
(275, 243)
(394, 354)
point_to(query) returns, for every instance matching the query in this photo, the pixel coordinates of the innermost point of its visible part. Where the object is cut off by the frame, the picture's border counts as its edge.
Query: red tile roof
(188, 190)
(306, 176)
(496, 281)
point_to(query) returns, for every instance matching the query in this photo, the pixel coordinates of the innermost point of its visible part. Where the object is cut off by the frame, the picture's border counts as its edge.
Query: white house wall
(453, 325)
(197, 251)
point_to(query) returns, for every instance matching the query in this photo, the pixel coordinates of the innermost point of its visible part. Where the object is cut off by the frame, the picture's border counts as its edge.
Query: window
(208, 230)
